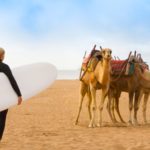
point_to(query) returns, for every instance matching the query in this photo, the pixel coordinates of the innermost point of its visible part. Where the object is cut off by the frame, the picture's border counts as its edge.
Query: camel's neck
(103, 75)
(105, 63)
(143, 79)
(144, 82)
(106, 66)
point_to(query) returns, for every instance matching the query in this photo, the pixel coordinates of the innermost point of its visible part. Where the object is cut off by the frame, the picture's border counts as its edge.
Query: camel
(128, 84)
(99, 78)
(131, 85)
(144, 92)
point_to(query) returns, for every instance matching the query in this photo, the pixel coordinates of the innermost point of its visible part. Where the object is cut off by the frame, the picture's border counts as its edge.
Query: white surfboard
(31, 80)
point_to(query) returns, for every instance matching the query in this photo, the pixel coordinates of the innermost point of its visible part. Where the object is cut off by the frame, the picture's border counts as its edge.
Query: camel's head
(136, 58)
(106, 53)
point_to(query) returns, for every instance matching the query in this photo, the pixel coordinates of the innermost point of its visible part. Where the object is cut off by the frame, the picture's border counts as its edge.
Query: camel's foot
(119, 124)
(129, 123)
(92, 125)
(76, 122)
(135, 122)
(145, 122)
(99, 125)
(122, 121)
(115, 121)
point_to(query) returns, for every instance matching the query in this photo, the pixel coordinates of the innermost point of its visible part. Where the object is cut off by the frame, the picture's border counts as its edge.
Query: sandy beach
(46, 122)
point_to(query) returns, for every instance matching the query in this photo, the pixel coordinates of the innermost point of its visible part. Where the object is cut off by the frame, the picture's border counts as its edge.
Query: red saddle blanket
(118, 66)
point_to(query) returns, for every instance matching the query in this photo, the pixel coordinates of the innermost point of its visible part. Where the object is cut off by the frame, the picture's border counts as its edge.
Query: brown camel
(91, 81)
(131, 85)
(128, 84)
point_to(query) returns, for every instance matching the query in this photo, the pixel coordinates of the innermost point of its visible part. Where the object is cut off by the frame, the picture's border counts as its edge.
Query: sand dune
(46, 122)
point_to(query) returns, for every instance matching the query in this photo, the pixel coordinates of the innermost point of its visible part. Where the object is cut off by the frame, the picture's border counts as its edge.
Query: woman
(4, 68)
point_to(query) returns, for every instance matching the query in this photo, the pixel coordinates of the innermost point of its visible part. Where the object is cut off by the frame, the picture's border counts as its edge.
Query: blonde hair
(2, 52)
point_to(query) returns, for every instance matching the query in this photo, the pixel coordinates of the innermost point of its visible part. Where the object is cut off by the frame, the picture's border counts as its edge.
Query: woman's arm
(13, 82)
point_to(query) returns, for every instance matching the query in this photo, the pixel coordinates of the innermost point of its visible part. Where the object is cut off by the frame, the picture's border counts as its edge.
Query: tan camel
(145, 92)
(133, 85)
(91, 81)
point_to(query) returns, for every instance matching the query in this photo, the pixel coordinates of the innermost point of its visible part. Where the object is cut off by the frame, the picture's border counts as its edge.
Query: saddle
(89, 63)
(121, 67)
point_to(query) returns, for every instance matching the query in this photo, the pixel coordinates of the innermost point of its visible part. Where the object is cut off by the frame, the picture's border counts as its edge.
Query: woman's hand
(19, 100)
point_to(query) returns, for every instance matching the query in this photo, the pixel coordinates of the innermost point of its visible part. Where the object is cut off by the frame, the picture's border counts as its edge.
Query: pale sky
(60, 31)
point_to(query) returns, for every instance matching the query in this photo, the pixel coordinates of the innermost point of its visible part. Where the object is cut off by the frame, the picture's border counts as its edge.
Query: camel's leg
(130, 106)
(117, 109)
(113, 110)
(93, 106)
(83, 90)
(108, 108)
(109, 105)
(103, 96)
(89, 103)
(136, 105)
(146, 96)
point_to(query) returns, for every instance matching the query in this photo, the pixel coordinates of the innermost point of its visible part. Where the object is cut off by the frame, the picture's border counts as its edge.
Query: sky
(60, 31)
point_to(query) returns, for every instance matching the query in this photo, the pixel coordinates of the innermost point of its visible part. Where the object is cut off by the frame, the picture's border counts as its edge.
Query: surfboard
(32, 79)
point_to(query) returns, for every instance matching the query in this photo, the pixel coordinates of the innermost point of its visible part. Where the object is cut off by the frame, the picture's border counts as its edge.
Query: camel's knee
(130, 107)
(136, 108)
(82, 94)
(88, 106)
(144, 108)
(101, 108)
(93, 108)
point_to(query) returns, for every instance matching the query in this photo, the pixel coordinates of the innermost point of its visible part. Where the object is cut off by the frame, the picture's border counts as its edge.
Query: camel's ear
(94, 47)
(101, 48)
(110, 51)
(135, 54)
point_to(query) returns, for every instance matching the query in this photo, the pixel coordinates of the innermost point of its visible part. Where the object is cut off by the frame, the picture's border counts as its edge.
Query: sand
(46, 122)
